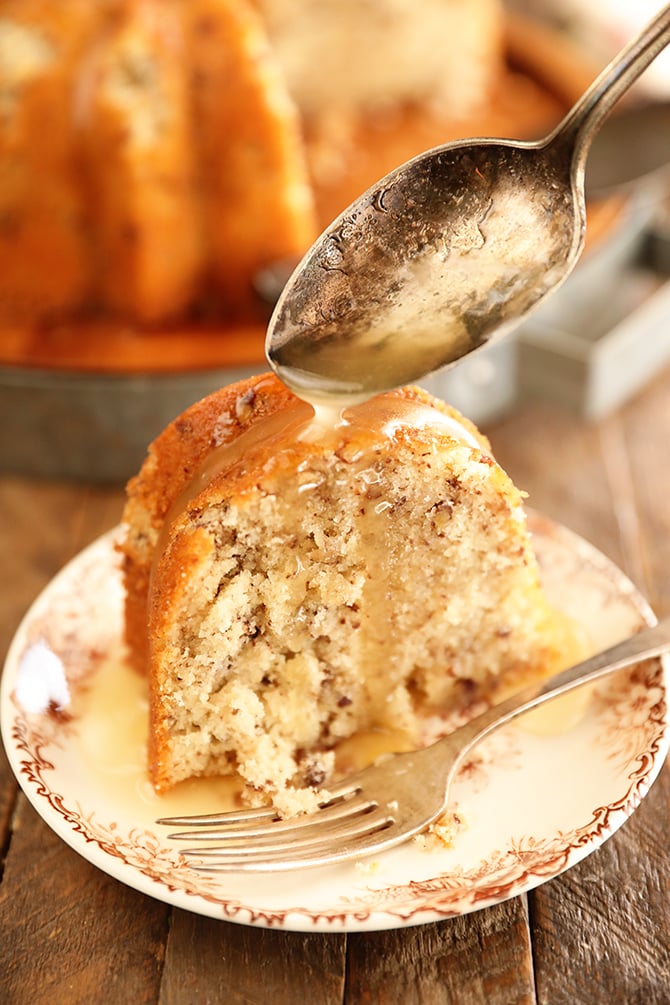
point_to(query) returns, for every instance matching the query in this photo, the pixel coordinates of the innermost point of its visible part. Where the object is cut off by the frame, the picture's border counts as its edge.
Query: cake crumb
(442, 832)
(294, 802)
(368, 867)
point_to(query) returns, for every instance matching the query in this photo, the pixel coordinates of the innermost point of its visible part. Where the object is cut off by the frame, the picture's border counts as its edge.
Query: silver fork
(390, 801)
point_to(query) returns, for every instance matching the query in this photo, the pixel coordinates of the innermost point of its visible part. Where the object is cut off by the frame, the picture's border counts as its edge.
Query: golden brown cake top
(179, 454)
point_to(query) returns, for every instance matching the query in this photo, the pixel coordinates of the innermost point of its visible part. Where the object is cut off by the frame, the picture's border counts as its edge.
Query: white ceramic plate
(531, 804)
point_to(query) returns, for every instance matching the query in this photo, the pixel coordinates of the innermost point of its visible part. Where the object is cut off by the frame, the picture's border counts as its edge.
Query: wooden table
(598, 934)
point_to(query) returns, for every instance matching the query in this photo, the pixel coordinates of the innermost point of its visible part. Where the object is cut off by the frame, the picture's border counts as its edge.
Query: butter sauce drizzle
(366, 425)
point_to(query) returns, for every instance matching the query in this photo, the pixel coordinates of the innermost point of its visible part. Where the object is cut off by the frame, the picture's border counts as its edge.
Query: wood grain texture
(69, 934)
(480, 959)
(645, 429)
(601, 931)
(208, 962)
(593, 940)
(557, 460)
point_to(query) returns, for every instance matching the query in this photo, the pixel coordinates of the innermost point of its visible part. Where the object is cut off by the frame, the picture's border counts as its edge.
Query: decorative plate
(73, 722)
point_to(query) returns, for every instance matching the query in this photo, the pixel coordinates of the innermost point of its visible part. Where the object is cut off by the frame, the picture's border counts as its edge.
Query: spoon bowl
(446, 253)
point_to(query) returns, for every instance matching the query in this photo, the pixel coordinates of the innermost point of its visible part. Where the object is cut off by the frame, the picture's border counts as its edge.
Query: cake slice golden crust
(257, 202)
(44, 263)
(312, 581)
(139, 161)
(171, 465)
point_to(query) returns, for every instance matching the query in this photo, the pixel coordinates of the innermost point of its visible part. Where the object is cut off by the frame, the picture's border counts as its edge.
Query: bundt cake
(156, 155)
(295, 577)
(149, 155)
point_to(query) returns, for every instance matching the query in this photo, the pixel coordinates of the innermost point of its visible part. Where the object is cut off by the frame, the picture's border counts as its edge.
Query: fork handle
(645, 644)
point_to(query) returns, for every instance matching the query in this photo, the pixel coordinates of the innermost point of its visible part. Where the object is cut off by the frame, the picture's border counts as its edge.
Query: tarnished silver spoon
(446, 253)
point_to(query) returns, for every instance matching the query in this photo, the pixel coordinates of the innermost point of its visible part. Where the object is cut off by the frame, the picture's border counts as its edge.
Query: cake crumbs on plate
(442, 832)
(368, 867)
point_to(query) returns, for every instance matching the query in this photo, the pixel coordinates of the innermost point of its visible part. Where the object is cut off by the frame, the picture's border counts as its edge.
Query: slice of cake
(295, 579)
(139, 166)
(44, 254)
(257, 202)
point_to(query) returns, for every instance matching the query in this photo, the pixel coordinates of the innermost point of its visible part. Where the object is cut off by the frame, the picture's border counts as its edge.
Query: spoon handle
(584, 119)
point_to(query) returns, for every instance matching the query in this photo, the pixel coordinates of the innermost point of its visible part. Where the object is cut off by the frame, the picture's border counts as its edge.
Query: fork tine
(226, 858)
(258, 814)
(341, 795)
(333, 813)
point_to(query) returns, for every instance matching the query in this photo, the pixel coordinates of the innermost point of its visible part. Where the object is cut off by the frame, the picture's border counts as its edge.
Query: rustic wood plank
(645, 429)
(557, 459)
(211, 961)
(601, 931)
(69, 934)
(42, 526)
(479, 959)
(598, 939)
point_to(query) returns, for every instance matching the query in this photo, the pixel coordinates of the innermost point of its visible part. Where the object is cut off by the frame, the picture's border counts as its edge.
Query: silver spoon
(630, 148)
(446, 253)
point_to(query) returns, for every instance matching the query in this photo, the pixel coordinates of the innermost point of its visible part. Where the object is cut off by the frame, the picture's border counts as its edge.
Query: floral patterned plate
(74, 721)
